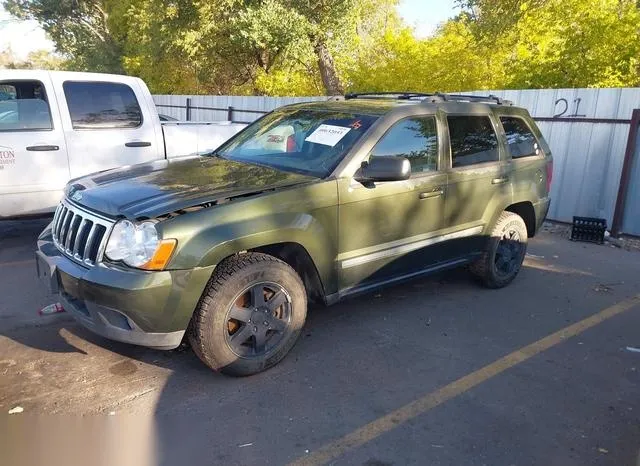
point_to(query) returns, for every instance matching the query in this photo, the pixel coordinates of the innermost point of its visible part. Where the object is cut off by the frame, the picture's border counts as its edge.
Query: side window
(473, 140)
(413, 138)
(24, 107)
(520, 139)
(98, 105)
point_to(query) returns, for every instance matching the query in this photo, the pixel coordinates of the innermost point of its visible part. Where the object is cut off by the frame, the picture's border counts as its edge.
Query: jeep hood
(157, 188)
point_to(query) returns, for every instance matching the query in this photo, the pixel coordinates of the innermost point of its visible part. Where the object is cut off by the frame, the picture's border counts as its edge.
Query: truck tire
(505, 251)
(249, 316)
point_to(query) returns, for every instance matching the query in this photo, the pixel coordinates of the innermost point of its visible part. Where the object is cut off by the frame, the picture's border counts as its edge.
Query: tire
(250, 315)
(505, 251)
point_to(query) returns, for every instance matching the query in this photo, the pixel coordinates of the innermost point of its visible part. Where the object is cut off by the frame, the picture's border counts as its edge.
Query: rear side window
(24, 106)
(473, 140)
(97, 105)
(520, 139)
(413, 138)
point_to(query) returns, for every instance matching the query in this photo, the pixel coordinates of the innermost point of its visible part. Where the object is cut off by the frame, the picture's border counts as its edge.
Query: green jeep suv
(314, 201)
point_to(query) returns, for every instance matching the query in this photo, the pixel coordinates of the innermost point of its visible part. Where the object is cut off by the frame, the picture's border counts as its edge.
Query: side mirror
(384, 169)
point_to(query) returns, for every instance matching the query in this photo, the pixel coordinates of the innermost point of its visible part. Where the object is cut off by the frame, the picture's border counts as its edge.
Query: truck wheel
(502, 259)
(250, 315)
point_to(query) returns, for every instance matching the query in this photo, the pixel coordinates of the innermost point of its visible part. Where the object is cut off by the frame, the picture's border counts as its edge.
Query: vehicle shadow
(191, 412)
(194, 401)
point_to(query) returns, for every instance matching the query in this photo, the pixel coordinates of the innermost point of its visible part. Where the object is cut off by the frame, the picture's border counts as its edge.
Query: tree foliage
(309, 47)
(36, 60)
(79, 28)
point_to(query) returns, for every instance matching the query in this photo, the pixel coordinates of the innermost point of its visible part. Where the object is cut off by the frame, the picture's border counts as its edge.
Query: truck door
(33, 155)
(106, 124)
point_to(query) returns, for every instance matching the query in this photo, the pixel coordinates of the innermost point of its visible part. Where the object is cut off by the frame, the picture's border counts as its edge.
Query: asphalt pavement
(437, 371)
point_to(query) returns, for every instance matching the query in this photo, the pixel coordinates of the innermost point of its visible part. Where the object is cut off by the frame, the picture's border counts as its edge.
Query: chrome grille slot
(81, 238)
(71, 234)
(80, 234)
(60, 217)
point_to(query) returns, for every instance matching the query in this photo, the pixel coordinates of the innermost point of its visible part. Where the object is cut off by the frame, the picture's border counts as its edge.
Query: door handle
(137, 144)
(499, 180)
(42, 148)
(431, 194)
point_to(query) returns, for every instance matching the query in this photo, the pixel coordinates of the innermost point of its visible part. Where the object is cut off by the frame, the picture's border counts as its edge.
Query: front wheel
(250, 315)
(505, 251)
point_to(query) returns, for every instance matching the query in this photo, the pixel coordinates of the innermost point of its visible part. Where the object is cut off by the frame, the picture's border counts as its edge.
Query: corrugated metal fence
(587, 130)
(222, 107)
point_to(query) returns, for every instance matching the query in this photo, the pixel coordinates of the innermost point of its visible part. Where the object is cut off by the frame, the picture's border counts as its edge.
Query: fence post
(188, 108)
(230, 113)
(623, 187)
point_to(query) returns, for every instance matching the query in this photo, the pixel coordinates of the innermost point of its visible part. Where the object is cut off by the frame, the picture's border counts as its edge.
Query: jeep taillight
(549, 175)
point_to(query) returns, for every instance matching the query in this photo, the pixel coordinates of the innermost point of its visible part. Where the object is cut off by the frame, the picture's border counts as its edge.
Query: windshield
(306, 141)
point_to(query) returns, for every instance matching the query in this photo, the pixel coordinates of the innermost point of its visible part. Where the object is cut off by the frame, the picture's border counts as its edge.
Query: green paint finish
(358, 235)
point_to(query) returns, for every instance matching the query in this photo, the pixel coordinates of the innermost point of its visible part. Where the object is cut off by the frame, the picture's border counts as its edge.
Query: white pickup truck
(56, 126)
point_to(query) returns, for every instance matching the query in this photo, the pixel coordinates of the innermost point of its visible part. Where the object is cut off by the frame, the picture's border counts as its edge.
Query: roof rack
(488, 99)
(389, 95)
(435, 97)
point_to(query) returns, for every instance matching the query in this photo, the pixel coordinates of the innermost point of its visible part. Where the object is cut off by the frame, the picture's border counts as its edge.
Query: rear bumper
(542, 209)
(144, 308)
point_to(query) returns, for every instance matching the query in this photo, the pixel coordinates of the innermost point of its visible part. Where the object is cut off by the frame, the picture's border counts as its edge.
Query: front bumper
(133, 306)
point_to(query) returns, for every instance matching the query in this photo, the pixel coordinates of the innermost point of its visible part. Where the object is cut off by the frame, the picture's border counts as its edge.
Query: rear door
(33, 154)
(478, 182)
(107, 124)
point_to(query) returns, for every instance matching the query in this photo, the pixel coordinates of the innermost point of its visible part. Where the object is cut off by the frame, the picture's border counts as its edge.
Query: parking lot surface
(437, 371)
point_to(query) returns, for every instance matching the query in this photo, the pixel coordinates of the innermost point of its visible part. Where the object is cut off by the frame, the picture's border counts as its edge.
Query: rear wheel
(250, 315)
(502, 259)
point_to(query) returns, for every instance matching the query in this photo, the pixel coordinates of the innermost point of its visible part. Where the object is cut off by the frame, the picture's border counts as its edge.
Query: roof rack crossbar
(476, 98)
(392, 95)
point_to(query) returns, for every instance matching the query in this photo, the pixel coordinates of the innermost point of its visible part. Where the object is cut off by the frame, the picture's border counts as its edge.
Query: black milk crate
(588, 229)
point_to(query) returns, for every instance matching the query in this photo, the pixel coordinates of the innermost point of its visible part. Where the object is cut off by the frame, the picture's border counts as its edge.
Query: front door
(33, 154)
(385, 229)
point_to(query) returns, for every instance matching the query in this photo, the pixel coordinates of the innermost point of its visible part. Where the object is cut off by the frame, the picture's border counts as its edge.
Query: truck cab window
(24, 106)
(102, 105)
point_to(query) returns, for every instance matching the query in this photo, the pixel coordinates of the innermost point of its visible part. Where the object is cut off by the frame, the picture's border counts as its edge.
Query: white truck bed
(187, 138)
(58, 125)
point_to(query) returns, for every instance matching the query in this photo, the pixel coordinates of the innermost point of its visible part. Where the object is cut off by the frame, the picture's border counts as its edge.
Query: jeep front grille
(80, 234)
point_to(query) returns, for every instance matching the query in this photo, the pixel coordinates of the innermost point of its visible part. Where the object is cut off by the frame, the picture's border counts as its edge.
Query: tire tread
(223, 273)
(481, 268)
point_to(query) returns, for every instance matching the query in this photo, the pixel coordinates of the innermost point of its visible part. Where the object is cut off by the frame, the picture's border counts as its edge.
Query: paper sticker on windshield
(328, 135)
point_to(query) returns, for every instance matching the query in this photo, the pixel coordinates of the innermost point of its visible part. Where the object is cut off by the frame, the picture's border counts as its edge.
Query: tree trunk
(328, 72)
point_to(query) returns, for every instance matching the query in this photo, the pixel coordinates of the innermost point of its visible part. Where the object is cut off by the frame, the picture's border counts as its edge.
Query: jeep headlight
(138, 245)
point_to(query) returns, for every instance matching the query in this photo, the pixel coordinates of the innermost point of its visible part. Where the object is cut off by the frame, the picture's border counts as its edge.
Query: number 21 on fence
(564, 105)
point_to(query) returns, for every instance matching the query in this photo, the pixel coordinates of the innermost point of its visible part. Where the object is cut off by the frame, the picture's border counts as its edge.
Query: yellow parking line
(12, 264)
(420, 406)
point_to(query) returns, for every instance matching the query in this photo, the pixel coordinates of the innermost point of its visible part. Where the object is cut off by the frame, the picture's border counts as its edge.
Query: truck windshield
(306, 141)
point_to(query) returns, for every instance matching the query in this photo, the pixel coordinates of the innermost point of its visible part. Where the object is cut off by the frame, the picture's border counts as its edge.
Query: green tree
(79, 28)
(576, 43)
(559, 43)
(449, 61)
(38, 59)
